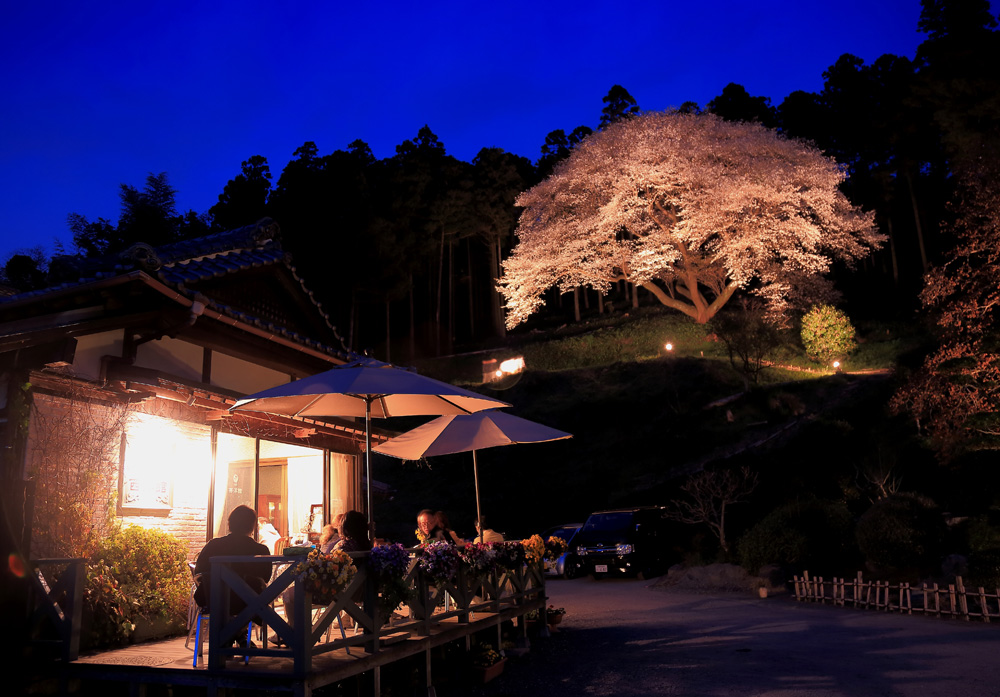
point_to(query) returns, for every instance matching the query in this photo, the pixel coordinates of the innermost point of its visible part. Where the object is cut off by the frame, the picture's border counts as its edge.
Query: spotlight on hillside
(502, 374)
(669, 347)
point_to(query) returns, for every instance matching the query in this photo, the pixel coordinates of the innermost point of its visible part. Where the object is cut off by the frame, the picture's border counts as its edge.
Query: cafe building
(117, 380)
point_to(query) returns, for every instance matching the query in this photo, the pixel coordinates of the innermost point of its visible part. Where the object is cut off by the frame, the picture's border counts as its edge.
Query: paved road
(621, 637)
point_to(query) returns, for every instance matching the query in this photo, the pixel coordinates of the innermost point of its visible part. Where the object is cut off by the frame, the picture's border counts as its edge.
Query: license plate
(601, 568)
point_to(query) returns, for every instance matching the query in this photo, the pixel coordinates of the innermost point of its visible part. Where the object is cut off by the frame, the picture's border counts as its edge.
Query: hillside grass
(642, 335)
(642, 418)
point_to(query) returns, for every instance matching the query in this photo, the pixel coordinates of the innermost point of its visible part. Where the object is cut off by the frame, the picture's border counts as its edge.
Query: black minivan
(622, 541)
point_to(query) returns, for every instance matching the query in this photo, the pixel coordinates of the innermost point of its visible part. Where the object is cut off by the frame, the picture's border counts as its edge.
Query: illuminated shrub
(135, 573)
(827, 333)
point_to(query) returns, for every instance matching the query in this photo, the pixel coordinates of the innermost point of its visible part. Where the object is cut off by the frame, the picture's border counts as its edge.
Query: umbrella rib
(457, 406)
(316, 399)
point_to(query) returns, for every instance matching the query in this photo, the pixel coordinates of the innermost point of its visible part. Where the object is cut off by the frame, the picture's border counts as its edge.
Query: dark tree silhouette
(619, 104)
(736, 104)
(148, 215)
(244, 199)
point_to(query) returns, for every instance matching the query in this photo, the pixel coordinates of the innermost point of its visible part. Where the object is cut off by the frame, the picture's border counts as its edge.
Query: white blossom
(691, 208)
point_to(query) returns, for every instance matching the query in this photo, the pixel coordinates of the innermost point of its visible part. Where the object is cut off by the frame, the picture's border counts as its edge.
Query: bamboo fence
(953, 600)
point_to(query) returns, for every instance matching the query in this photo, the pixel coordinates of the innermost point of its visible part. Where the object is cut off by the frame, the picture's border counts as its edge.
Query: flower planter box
(484, 675)
(554, 619)
(157, 628)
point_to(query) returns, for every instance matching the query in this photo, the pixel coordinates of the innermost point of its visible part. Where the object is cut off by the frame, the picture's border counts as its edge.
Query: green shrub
(107, 611)
(133, 573)
(827, 333)
(983, 533)
(813, 535)
(903, 532)
(984, 569)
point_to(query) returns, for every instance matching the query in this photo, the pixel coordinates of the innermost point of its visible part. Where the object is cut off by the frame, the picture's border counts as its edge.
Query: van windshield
(608, 522)
(565, 533)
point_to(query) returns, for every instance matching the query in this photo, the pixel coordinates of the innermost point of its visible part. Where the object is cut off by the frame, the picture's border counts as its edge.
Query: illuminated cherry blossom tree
(691, 208)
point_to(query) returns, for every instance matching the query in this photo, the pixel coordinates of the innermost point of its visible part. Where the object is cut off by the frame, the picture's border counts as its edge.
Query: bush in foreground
(135, 573)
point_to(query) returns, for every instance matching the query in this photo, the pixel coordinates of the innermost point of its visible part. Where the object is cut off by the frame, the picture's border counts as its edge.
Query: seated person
(267, 533)
(354, 538)
(330, 535)
(442, 530)
(239, 542)
(354, 533)
(487, 534)
(425, 523)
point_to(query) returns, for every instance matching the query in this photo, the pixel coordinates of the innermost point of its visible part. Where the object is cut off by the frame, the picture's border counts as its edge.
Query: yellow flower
(534, 548)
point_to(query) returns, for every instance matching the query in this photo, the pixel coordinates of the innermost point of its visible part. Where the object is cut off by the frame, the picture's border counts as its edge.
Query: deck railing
(510, 592)
(55, 605)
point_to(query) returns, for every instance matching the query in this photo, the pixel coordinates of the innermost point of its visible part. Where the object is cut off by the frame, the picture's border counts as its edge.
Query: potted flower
(534, 549)
(478, 557)
(509, 555)
(555, 547)
(487, 663)
(554, 615)
(439, 560)
(325, 575)
(388, 565)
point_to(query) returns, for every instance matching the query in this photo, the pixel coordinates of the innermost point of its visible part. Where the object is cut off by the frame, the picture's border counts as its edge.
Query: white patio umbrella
(370, 389)
(465, 432)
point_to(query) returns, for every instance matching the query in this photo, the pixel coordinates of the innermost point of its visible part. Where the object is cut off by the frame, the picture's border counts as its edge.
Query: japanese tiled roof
(190, 261)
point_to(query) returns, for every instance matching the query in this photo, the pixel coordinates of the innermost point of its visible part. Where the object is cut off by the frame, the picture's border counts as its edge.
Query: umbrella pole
(479, 515)
(368, 465)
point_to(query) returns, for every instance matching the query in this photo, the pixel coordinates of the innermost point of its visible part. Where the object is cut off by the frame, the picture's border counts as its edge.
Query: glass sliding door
(285, 484)
(290, 494)
(235, 478)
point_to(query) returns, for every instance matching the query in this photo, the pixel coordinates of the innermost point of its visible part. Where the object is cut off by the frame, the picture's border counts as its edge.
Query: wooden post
(963, 601)
(982, 605)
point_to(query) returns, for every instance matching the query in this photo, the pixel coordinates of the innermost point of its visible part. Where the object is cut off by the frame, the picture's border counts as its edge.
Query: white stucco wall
(234, 374)
(90, 349)
(172, 356)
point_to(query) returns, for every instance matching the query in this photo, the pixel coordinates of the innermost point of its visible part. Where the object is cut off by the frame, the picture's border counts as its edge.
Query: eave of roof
(190, 261)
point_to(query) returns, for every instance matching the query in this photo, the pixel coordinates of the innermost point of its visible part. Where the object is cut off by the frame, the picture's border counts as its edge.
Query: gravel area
(627, 637)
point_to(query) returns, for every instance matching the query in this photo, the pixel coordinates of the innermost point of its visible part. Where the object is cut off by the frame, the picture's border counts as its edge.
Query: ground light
(669, 347)
(503, 375)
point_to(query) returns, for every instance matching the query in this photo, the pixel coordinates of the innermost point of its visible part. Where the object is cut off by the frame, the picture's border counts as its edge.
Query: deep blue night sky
(99, 94)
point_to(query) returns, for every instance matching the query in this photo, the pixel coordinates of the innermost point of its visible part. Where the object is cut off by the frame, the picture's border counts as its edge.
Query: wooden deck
(311, 656)
(167, 662)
